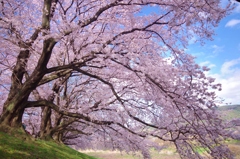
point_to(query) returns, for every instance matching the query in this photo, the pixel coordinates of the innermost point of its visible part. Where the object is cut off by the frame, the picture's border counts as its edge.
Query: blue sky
(222, 55)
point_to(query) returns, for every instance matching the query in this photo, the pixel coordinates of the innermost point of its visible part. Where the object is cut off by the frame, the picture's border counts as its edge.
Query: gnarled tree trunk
(46, 123)
(15, 104)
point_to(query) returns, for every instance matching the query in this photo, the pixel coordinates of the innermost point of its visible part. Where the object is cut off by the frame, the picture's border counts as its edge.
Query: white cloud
(230, 89)
(227, 67)
(216, 50)
(198, 54)
(232, 23)
(229, 78)
(208, 64)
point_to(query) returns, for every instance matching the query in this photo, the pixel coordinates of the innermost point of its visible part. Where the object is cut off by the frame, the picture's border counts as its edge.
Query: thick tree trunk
(58, 136)
(13, 111)
(15, 104)
(46, 123)
(12, 118)
(13, 108)
(47, 131)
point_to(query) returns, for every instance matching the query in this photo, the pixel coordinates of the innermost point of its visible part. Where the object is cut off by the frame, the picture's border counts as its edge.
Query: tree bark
(46, 122)
(15, 104)
(58, 136)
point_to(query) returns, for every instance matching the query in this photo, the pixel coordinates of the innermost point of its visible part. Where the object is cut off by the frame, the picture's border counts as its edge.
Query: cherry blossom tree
(112, 71)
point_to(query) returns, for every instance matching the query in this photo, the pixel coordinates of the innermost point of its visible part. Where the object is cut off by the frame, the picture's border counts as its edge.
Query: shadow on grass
(14, 148)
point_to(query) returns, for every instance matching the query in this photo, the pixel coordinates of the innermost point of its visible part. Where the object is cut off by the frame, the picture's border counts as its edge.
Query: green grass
(15, 148)
(229, 112)
(164, 154)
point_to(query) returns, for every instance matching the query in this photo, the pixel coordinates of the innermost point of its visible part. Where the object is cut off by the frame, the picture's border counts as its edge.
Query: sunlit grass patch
(14, 147)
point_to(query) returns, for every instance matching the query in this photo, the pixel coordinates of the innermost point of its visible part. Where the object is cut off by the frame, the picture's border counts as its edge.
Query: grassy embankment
(13, 147)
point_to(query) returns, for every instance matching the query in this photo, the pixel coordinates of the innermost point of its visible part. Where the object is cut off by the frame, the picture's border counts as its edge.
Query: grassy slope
(230, 112)
(15, 148)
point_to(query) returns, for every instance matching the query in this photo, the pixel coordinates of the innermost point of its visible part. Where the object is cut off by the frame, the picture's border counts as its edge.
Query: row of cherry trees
(110, 71)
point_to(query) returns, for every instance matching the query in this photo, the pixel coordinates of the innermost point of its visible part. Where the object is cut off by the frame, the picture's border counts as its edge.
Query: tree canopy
(111, 71)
